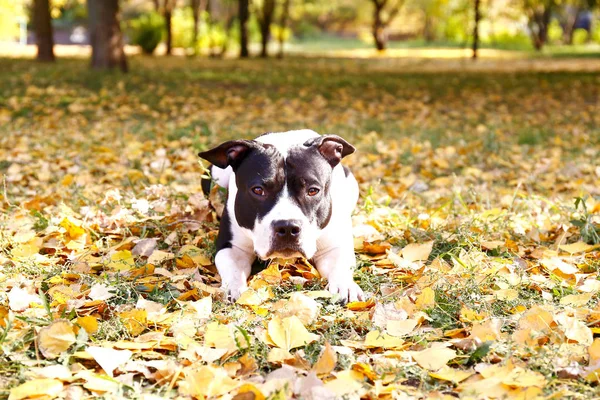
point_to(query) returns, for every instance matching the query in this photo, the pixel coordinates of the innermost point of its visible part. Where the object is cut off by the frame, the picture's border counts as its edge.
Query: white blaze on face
(284, 209)
(282, 141)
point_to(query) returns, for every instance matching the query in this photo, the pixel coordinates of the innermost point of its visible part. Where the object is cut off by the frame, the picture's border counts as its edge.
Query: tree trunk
(379, 35)
(428, 29)
(195, 4)
(285, 13)
(43, 30)
(538, 25)
(570, 27)
(476, 29)
(105, 35)
(168, 15)
(244, 15)
(228, 26)
(265, 26)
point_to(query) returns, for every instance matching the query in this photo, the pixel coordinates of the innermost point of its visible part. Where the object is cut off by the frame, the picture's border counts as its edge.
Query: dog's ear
(332, 147)
(229, 153)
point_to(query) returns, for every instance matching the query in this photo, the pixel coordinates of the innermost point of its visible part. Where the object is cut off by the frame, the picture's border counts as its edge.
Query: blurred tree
(244, 16)
(43, 30)
(283, 22)
(538, 14)
(431, 11)
(221, 18)
(197, 7)
(168, 7)
(384, 12)
(264, 14)
(477, 18)
(105, 35)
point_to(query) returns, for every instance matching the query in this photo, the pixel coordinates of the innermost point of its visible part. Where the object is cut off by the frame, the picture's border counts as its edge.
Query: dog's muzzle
(285, 241)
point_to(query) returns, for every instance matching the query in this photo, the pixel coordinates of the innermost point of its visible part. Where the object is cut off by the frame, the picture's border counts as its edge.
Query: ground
(476, 233)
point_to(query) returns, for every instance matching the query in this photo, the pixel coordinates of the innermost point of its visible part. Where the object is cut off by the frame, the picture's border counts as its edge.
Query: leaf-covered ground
(476, 234)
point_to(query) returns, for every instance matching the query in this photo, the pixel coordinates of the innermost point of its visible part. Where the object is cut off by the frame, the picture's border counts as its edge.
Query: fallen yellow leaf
(121, 261)
(253, 297)
(435, 357)
(426, 299)
(447, 373)
(326, 362)
(400, 327)
(594, 352)
(109, 359)
(383, 340)
(73, 227)
(289, 333)
(134, 321)
(36, 388)
(578, 247)
(207, 381)
(576, 300)
(56, 338)
(417, 251)
(89, 323)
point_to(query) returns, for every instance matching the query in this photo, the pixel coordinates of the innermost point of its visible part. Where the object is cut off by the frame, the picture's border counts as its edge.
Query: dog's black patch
(262, 167)
(206, 184)
(305, 169)
(224, 237)
(347, 171)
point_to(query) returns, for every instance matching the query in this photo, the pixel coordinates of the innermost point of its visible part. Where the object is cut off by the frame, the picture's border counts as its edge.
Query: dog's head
(282, 199)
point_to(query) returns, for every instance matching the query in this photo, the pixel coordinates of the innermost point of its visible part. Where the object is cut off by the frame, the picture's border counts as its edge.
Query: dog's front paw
(347, 289)
(233, 292)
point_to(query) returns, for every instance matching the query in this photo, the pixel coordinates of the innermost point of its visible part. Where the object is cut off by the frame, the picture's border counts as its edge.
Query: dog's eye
(313, 191)
(257, 190)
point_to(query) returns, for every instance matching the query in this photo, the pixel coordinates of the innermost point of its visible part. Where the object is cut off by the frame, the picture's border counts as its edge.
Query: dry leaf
(253, 297)
(578, 247)
(383, 340)
(158, 256)
(576, 300)
(326, 362)
(109, 359)
(207, 381)
(289, 333)
(435, 357)
(89, 323)
(20, 300)
(36, 388)
(575, 330)
(134, 321)
(401, 327)
(594, 352)
(56, 338)
(121, 261)
(426, 299)
(447, 373)
(417, 251)
(300, 305)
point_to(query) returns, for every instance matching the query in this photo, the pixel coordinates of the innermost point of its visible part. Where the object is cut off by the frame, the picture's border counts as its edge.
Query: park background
(477, 232)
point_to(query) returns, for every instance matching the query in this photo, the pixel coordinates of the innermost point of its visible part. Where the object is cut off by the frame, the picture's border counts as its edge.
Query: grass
(459, 154)
(324, 44)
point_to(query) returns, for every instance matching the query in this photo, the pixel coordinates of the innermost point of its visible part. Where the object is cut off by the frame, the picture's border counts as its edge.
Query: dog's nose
(287, 229)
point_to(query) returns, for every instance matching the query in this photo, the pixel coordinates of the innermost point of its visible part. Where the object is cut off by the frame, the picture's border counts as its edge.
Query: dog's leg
(336, 262)
(234, 266)
(233, 260)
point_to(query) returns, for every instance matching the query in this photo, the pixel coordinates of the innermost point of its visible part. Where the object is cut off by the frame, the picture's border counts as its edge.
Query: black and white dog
(288, 196)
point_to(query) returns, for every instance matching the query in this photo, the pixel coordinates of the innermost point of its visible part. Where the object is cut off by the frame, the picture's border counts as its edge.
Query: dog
(288, 196)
